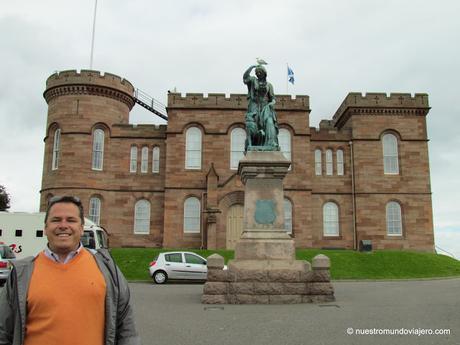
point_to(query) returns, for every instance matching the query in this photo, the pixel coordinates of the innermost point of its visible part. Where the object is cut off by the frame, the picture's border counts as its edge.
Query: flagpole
(92, 38)
(287, 79)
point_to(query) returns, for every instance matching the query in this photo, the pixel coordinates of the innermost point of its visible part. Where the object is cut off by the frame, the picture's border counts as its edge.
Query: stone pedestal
(265, 270)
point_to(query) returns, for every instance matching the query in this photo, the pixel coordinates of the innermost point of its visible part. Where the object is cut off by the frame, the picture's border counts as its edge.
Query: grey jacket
(119, 319)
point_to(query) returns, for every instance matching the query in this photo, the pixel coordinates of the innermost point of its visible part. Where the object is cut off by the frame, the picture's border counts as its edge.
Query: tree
(4, 199)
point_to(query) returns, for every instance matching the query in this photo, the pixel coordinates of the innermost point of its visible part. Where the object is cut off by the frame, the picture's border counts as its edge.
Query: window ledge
(332, 237)
(394, 237)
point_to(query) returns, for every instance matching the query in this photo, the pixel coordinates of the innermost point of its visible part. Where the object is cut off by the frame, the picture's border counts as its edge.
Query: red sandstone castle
(363, 175)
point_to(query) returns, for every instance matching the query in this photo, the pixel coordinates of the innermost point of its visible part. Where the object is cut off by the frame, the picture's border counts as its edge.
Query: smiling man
(66, 295)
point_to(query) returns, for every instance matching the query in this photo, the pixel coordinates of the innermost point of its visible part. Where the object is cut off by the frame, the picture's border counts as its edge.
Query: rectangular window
(318, 164)
(193, 148)
(340, 162)
(144, 159)
(133, 160)
(56, 148)
(156, 160)
(39, 233)
(329, 162)
(18, 233)
(98, 149)
(192, 216)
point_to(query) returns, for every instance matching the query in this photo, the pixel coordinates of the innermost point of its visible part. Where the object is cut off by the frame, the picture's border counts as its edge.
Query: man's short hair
(65, 199)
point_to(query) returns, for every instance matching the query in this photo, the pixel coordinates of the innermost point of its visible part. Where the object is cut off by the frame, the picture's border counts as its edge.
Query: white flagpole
(286, 76)
(92, 38)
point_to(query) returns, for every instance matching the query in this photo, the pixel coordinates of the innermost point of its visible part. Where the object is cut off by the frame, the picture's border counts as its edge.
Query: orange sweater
(66, 302)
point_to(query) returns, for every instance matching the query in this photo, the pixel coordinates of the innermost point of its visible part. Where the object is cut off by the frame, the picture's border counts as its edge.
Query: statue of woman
(261, 122)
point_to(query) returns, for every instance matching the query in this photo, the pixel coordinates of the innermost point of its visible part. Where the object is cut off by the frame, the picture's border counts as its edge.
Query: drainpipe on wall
(203, 224)
(353, 196)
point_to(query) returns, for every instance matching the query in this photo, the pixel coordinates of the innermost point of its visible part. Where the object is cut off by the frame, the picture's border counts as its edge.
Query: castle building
(362, 175)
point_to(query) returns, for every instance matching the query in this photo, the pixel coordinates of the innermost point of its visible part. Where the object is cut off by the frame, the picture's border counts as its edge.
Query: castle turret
(82, 109)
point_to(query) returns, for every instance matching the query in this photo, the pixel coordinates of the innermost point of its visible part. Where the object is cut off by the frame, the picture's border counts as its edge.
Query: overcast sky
(334, 47)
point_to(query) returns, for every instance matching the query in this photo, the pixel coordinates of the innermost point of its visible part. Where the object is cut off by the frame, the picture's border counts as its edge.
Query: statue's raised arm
(247, 74)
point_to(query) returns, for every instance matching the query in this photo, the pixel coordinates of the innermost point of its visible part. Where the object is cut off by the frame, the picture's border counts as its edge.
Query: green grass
(345, 264)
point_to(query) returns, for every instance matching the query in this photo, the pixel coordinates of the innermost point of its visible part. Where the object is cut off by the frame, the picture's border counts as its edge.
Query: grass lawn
(345, 264)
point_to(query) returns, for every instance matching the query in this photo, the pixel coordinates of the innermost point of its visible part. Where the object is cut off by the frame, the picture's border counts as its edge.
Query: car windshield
(6, 253)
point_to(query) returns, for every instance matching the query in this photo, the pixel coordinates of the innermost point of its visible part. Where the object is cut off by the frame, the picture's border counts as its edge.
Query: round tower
(82, 109)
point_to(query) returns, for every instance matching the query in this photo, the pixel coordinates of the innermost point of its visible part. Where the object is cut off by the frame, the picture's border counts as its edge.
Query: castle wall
(216, 116)
(79, 103)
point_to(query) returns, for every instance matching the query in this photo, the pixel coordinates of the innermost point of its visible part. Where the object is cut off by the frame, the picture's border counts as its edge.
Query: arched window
(318, 163)
(237, 141)
(156, 160)
(328, 162)
(284, 140)
(394, 225)
(144, 159)
(142, 217)
(98, 149)
(56, 149)
(339, 155)
(192, 211)
(193, 148)
(330, 219)
(390, 154)
(133, 159)
(95, 210)
(288, 216)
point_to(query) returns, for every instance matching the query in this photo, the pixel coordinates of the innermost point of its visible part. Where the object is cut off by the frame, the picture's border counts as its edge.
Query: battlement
(89, 77)
(234, 101)
(139, 130)
(382, 100)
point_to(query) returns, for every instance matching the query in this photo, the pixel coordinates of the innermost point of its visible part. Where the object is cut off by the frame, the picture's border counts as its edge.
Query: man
(66, 295)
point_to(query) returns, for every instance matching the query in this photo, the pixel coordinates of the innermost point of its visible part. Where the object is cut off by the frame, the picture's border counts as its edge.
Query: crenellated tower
(79, 104)
(87, 151)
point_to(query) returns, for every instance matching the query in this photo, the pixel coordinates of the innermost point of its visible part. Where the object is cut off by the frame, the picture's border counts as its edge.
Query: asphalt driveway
(172, 314)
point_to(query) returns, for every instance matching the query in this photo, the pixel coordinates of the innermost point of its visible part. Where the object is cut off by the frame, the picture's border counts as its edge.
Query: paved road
(172, 314)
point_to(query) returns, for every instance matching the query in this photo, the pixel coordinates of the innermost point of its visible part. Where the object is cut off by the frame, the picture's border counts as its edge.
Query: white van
(24, 233)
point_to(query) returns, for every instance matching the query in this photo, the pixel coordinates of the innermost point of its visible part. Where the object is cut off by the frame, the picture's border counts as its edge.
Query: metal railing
(151, 104)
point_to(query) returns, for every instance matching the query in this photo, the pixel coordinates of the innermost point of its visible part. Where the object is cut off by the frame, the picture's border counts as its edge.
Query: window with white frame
(193, 148)
(318, 162)
(339, 155)
(156, 160)
(237, 142)
(144, 159)
(284, 141)
(98, 149)
(390, 154)
(328, 162)
(331, 219)
(142, 217)
(288, 215)
(133, 159)
(56, 149)
(192, 211)
(95, 210)
(394, 224)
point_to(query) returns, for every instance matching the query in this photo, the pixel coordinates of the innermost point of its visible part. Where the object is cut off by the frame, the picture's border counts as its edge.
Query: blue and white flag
(290, 75)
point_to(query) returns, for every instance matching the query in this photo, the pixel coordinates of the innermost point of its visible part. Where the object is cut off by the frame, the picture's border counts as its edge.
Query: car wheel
(160, 277)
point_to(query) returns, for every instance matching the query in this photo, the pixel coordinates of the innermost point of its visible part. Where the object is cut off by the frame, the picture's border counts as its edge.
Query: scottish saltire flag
(290, 75)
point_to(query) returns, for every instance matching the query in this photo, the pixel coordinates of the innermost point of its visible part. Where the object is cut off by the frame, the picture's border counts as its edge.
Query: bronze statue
(261, 123)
